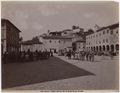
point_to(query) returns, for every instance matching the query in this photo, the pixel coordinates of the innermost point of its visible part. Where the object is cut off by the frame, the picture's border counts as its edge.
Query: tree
(35, 40)
(48, 31)
(90, 31)
(73, 27)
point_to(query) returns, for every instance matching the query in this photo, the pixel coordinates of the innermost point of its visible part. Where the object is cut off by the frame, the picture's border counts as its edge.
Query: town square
(60, 46)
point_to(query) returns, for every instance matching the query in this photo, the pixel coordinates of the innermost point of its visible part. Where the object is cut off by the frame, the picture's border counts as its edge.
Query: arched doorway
(94, 48)
(91, 48)
(103, 48)
(117, 47)
(97, 48)
(100, 48)
(107, 47)
(112, 48)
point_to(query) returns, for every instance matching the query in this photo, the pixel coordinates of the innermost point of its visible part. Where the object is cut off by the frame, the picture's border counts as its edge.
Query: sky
(35, 18)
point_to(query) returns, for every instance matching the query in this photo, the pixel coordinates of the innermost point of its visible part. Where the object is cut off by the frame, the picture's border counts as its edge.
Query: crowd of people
(81, 55)
(26, 56)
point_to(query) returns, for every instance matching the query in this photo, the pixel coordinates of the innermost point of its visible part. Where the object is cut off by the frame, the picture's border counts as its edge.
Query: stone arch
(107, 48)
(117, 46)
(91, 48)
(96, 48)
(100, 48)
(103, 47)
(112, 48)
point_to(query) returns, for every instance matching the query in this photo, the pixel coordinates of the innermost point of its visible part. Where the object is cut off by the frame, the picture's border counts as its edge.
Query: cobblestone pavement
(105, 78)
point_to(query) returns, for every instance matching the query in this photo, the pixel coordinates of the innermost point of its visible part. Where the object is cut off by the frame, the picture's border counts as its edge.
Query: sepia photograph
(60, 46)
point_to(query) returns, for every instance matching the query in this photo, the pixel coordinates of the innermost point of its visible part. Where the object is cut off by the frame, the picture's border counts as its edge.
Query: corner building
(9, 37)
(105, 39)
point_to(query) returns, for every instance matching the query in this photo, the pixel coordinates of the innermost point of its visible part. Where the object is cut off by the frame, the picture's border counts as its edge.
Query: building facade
(64, 40)
(32, 45)
(9, 37)
(105, 39)
(78, 40)
(56, 43)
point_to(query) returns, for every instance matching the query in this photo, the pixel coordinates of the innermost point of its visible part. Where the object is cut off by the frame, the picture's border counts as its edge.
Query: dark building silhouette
(9, 36)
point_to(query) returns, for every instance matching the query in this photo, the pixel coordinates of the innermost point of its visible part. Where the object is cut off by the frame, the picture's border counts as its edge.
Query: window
(99, 42)
(103, 32)
(117, 46)
(96, 42)
(111, 32)
(107, 31)
(103, 40)
(50, 41)
(106, 40)
(99, 34)
(65, 32)
(59, 41)
(116, 31)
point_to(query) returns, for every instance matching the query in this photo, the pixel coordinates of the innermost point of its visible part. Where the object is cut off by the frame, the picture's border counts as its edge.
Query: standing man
(92, 56)
(87, 56)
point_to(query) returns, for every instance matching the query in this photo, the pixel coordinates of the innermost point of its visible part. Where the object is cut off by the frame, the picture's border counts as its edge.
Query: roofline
(89, 34)
(79, 41)
(56, 37)
(30, 43)
(109, 26)
(105, 28)
(10, 23)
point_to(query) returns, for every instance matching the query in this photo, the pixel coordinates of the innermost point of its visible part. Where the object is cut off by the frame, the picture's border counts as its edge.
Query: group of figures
(26, 56)
(81, 55)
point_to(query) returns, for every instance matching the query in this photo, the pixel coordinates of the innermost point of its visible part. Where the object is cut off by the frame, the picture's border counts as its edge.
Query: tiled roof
(6, 20)
(31, 42)
(57, 37)
(79, 41)
(88, 33)
(66, 30)
(54, 32)
(110, 26)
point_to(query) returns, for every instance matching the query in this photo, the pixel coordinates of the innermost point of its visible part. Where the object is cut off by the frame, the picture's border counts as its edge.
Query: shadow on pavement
(18, 74)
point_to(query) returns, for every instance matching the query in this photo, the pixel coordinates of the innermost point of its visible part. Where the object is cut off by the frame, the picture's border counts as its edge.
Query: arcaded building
(105, 39)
